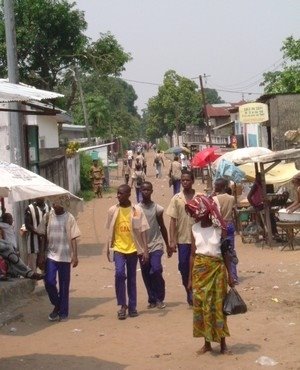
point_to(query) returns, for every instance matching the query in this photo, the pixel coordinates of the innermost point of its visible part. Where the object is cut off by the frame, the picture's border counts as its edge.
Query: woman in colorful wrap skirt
(208, 277)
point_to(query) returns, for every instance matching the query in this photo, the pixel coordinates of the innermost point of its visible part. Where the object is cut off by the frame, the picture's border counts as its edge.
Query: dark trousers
(126, 263)
(139, 196)
(184, 253)
(59, 298)
(153, 278)
(230, 236)
(176, 186)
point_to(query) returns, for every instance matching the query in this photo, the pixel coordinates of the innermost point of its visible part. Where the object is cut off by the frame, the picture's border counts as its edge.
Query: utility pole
(85, 115)
(15, 129)
(208, 130)
(209, 176)
(177, 125)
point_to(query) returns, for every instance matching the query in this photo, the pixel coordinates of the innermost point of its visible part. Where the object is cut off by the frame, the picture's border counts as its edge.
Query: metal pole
(205, 111)
(177, 125)
(15, 129)
(85, 115)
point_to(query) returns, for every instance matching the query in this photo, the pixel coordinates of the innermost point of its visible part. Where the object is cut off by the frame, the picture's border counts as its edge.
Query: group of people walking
(137, 234)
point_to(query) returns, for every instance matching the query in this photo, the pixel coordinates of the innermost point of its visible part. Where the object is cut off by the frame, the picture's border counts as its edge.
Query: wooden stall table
(291, 230)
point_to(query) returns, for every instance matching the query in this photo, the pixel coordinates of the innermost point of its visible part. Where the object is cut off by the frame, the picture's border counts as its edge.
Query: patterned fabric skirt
(209, 289)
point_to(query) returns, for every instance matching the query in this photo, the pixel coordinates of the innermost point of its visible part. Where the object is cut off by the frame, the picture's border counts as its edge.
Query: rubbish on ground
(76, 330)
(13, 330)
(275, 300)
(266, 361)
(275, 287)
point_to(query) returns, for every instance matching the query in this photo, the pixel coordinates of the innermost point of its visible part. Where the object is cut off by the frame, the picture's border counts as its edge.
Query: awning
(10, 92)
(281, 174)
(223, 125)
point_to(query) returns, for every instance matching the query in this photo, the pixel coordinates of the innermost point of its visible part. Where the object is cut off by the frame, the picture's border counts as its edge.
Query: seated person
(8, 251)
(255, 198)
(8, 232)
(295, 206)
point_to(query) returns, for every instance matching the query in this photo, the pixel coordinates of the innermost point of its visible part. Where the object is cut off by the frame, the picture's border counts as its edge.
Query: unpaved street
(93, 338)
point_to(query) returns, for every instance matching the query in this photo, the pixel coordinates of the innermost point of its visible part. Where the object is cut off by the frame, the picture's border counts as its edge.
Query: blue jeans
(176, 186)
(230, 236)
(125, 262)
(184, 253)
(59, 298)
(153, 278)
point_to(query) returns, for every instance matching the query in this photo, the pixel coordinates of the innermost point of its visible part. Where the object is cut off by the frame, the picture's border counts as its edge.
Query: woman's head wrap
(202, 205)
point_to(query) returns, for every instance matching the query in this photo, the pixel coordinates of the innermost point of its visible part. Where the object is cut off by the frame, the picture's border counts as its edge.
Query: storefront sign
(253, 113)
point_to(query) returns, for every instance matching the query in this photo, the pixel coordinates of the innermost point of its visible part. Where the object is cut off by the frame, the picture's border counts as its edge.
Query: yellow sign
(253, 113)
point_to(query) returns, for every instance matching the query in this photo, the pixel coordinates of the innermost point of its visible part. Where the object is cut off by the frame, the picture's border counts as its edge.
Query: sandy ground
(93, 338)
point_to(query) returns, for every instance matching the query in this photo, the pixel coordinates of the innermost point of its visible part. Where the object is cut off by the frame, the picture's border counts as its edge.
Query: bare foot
(204, 349)
(226, 351)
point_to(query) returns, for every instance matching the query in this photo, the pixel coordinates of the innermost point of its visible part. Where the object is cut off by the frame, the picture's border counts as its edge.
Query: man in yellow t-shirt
(127, 227)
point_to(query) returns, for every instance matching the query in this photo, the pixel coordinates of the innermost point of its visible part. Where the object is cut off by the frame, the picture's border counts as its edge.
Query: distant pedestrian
(126, 171)
(144, 164)
(180, 229)
(129, 157)
(61, 232)
(137, 178)
(157, 237)
(127, 226)
(175, 175)
(96, 176)
(33, 216)
(139, 159)
(158, 163)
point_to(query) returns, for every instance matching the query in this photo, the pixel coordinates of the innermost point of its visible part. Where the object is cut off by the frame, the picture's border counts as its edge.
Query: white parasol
(19, 184)
(239, 156)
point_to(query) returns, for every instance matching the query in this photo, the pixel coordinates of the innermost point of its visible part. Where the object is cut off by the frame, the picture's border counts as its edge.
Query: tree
(110, 106)
(49, 36)
(51, 41)
(212, 96)
(287, 80)
(176, 105)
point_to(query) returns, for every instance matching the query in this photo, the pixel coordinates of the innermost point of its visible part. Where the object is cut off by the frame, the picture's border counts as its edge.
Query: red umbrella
(205, 157)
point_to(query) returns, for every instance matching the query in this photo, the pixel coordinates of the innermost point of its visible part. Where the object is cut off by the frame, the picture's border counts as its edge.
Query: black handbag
(233, 303)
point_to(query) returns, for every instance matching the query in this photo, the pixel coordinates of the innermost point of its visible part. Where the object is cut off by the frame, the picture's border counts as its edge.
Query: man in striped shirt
(62, 232)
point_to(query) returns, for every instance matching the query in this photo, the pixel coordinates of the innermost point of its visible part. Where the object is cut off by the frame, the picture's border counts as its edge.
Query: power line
(142, 82)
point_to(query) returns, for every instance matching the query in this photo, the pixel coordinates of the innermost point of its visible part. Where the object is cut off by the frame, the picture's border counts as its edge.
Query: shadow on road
(47, 362)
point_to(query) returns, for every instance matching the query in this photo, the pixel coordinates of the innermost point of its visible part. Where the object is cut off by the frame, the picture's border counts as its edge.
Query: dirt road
(93, 338)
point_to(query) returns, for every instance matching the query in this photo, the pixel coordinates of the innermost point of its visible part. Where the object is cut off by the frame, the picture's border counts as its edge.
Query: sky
(233, 42)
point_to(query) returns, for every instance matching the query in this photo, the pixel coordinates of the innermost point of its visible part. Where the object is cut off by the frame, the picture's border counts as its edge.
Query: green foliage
(87, 195)
(176, 104)
(106, 56)
(163, 145)
(51, 46)
(288, 79)
(85, 166)
(49, 38)
(212, 96)
(110, 107)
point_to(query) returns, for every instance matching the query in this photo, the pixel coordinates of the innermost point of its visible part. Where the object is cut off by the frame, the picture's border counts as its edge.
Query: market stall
(265, 164)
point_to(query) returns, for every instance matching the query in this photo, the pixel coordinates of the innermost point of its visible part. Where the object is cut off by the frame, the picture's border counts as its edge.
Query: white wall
(4, 138)
(73, 167)
(48, 130)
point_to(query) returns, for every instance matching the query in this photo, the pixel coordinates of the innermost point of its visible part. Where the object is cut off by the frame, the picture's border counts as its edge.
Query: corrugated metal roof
(10, 92)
